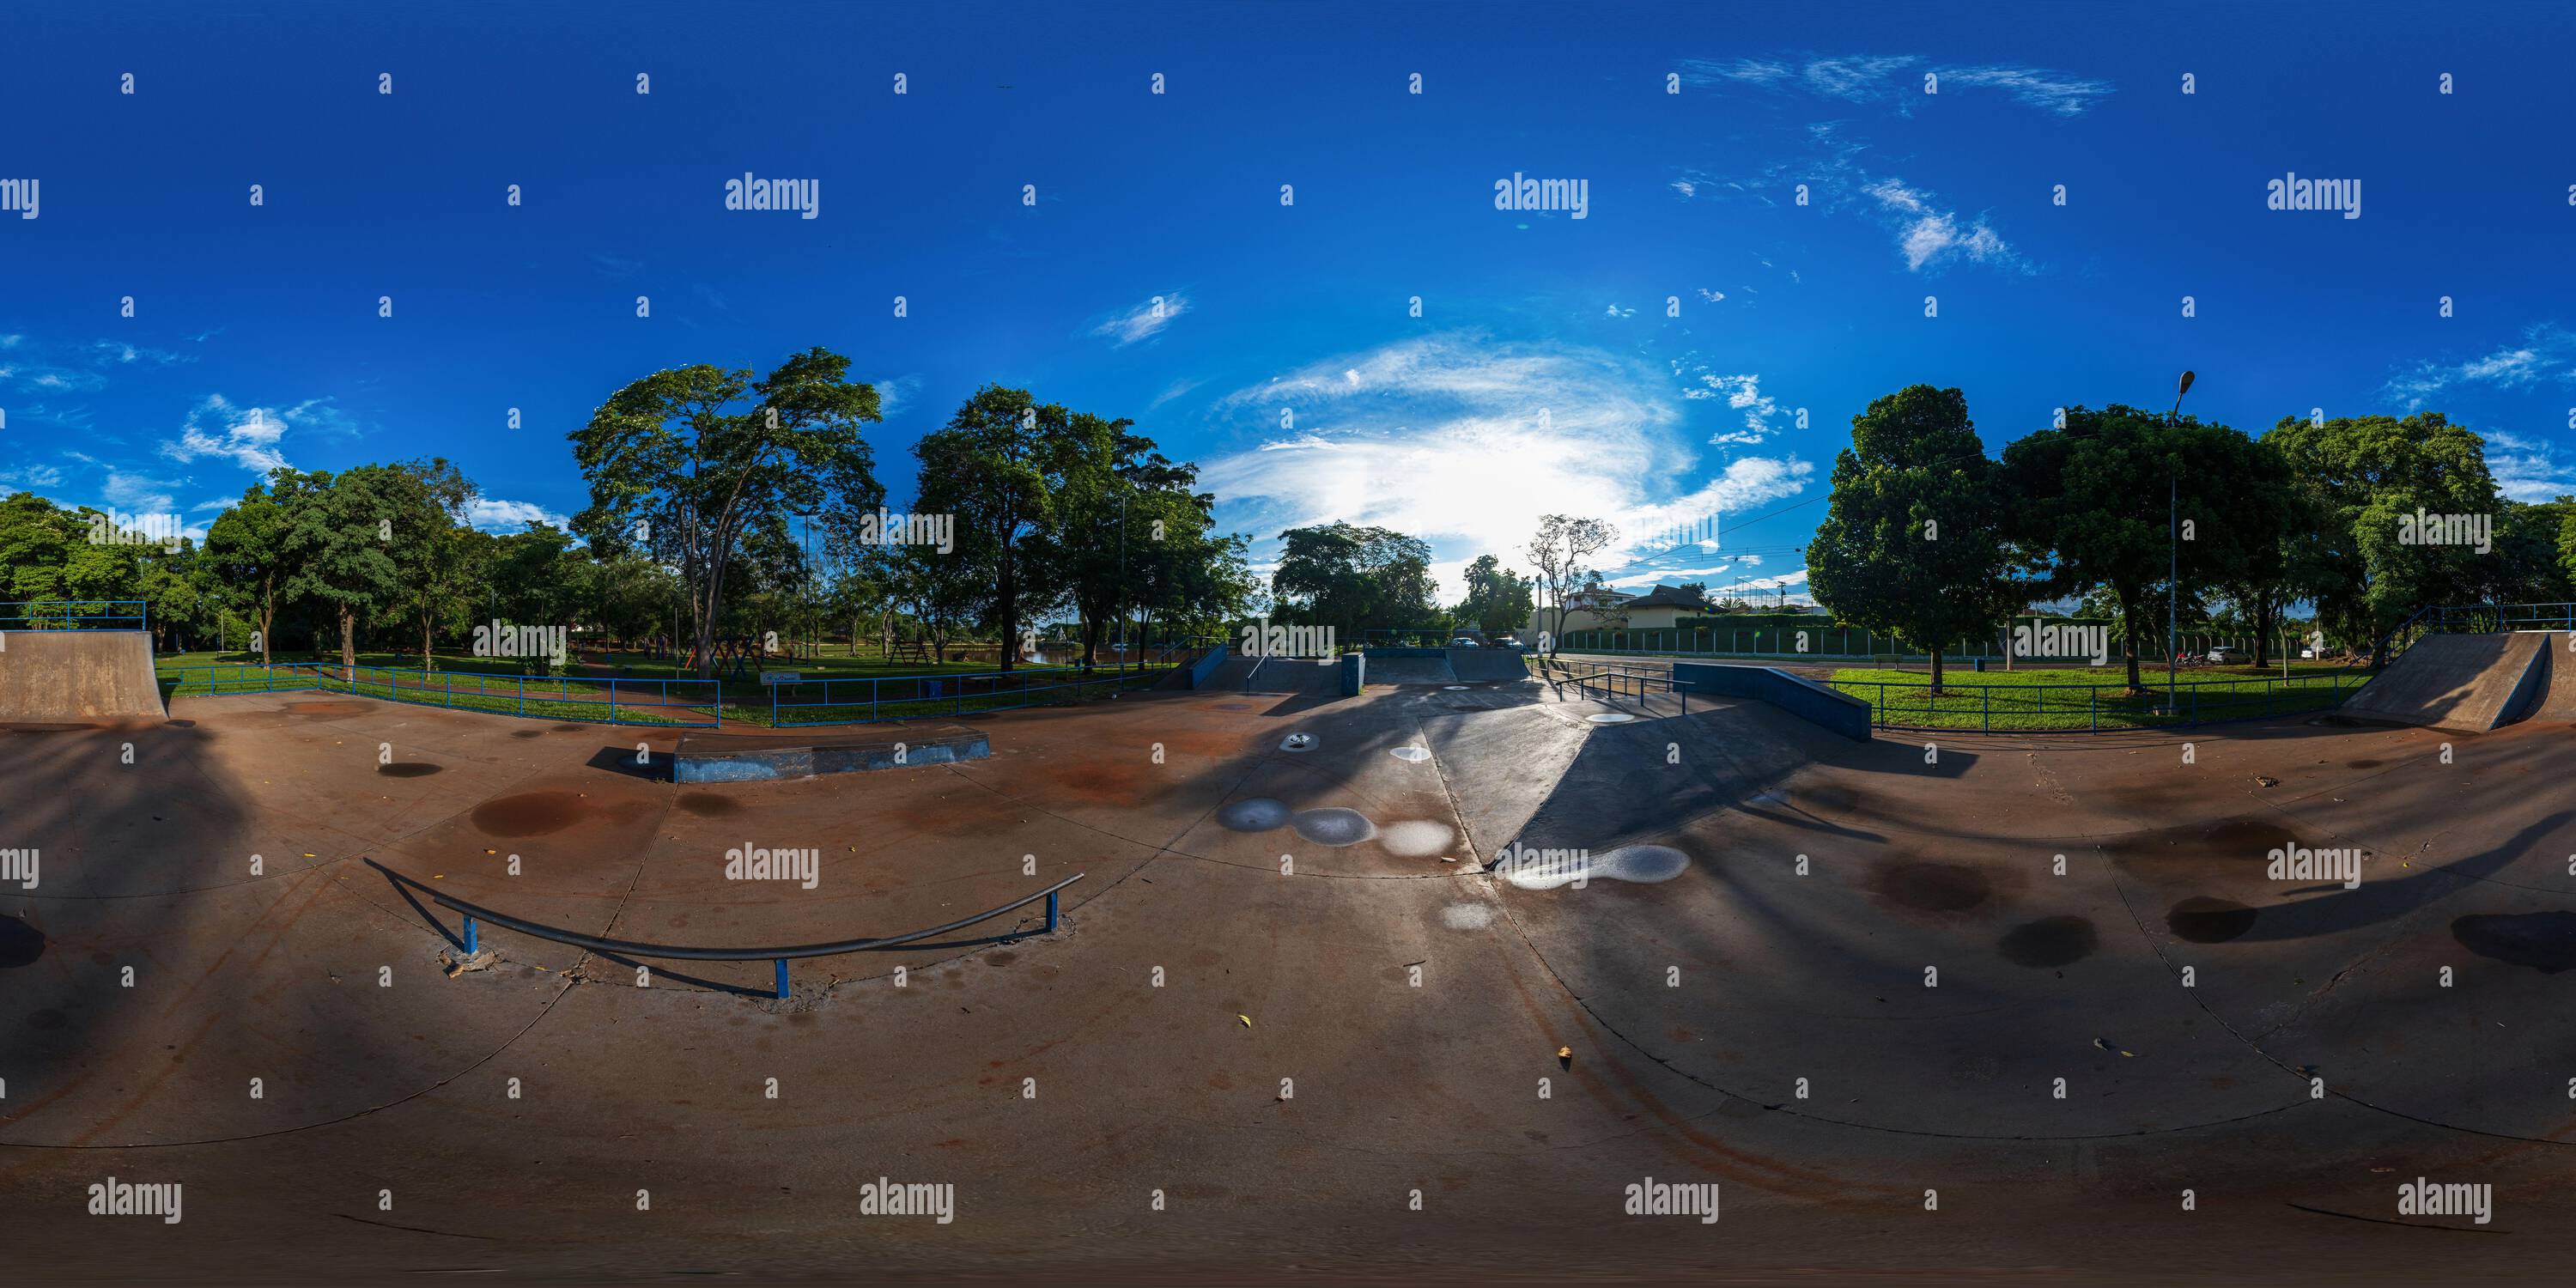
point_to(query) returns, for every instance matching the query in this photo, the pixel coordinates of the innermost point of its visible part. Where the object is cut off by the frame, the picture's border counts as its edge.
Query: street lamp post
(2173, 522)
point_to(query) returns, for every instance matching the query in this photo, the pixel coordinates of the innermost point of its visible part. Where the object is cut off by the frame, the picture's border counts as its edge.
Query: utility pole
(2173, 584)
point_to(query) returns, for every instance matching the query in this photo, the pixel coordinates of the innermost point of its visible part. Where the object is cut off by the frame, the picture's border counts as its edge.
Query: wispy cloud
(2547, 351)
(246, 436)
(896, 392)
(1174, 390)
(1930, 235)
(1466, 441)
(493, 514)
(1896, 81)
(1143, 321)
(2527, 469)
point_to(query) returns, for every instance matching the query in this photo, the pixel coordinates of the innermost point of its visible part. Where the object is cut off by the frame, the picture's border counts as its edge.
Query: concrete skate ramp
(56, 677)
(1286, 675)
(2558, 690)
(1483, 665)
(1411, 667)
(2461, 683)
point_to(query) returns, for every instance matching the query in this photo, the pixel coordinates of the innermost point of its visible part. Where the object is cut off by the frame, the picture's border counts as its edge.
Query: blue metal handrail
(106, 620)
(919, 695)
(622, 696)
(674, 952)
(2232, 693)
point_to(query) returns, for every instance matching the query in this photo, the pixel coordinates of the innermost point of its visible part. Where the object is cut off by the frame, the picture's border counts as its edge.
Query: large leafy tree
(246, 550)
(2121, 497)
(2362, 476)
(1498, 599)
(698, 455)
(997, 466)
(339, 536)
(430, 544)
(1352, 578)
(1913, 540)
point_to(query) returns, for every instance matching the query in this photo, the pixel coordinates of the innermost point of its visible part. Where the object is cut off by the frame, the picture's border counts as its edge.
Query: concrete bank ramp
(1287, 675)
(2461, 683)
(65, 677)
(1485, 665)
(1410, 668)
(2558, 691)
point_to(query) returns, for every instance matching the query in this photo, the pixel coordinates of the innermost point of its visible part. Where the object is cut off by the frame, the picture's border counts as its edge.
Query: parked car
(1464, 642)
(2307, 653)
(2222, 655)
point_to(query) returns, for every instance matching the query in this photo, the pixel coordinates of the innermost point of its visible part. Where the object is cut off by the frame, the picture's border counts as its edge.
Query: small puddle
(528, 814)
(1258, 814)
(1934, 887)
(1334, 827)
(1643, 864)
(20, 943)
(1416, 838)
(2204, 920)
(2049, 941)
(408, 769)
(2543, 941)
(707, 805)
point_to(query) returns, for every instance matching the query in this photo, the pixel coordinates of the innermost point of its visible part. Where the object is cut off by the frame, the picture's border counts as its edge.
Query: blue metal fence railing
(470, 939)
(670, 703)
(73, 615)
(2025, 708)
(873, 699)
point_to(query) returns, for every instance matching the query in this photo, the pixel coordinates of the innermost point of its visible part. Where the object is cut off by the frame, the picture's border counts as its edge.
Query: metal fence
(470, 939)
(73, 615)
(871, 699)
(2040, 707)
(675, 703)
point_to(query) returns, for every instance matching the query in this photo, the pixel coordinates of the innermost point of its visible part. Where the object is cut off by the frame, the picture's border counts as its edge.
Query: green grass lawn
(2085, 698)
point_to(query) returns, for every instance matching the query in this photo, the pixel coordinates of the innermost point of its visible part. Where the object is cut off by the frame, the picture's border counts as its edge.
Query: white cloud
(495, 515)
(1173, 390)
(31, 477)
(2547, 352)
(1466, 442)
(248, 437)
(1896, 81)
(137, 494)
(1929, 235)
(1142, 321)
(1711, 296)
(1617, 312)
(895, 392)
(1685, 187)
(2527, 469)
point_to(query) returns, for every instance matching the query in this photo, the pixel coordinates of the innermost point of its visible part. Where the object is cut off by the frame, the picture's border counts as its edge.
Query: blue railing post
(1051, 912)
(782, 979)
(469, 936)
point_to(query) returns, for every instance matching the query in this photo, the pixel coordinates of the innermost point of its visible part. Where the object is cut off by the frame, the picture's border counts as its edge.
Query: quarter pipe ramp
(59, 677)
(2465, 683)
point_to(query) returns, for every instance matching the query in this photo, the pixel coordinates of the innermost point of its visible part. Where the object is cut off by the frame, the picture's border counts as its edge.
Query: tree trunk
(1009, 590)
(425, 663)
(2129, 618)
(267, 614)
(2262, 633)
(348, 644)
(1936, 672)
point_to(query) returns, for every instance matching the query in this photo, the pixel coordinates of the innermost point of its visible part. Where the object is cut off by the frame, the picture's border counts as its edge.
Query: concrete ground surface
(1291, 1027)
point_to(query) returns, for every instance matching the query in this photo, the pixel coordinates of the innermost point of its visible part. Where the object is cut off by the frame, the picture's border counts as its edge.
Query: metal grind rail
(474, 914)
(1618, 681)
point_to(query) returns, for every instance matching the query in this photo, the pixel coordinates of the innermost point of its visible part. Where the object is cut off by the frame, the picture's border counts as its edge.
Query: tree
(697, 454)
(430, 542)
(2366, 477)
(996, 465)
(246, 548)
(1498, 599)
(1350, 577)
(1913, 537)
(1558, 552)
(338, 531)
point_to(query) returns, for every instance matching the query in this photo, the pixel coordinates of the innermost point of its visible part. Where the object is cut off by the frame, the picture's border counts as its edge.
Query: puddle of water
(1934, 887)
(408, 769)
(2204, 920)
(528, 814)
(1334, 827)
(1414, 754)
(1610, 717)
(707, 804)
(527, 733)
(2543, 941)
(1644, 864)
(1258, 814)
(20, 943)
(2049, 941)
(1467, 916)
(1416, 838)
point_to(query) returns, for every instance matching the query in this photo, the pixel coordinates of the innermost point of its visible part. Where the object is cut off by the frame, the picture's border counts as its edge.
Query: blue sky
(1543, 373)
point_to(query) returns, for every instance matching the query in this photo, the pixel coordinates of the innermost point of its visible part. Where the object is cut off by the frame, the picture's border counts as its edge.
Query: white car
(2222, 655)
(1464, 642)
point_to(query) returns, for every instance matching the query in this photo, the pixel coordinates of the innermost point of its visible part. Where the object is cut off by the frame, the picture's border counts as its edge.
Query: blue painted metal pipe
(782, 979)
(469, 936)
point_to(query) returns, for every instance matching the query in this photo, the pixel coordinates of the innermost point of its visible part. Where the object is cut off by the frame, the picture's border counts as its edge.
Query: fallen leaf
(1247, 1020)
